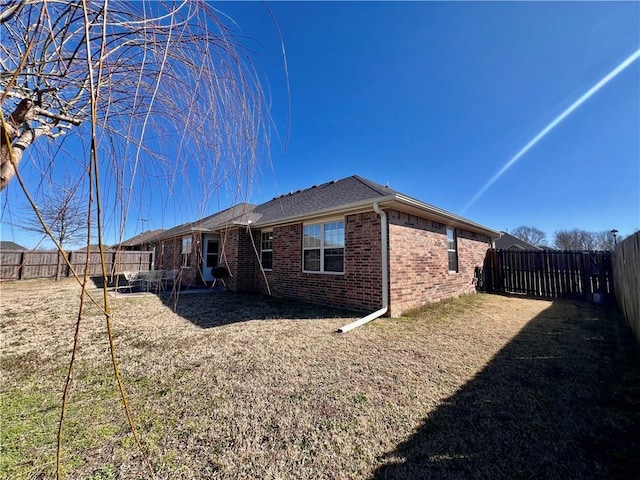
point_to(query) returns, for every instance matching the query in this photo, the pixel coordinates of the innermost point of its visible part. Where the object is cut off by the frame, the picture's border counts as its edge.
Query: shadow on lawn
(561, 400)
(210, 308)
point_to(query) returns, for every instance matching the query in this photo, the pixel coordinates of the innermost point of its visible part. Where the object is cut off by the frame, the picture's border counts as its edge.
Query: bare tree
(578, 239)
(167, 86)
(65, 215)
(605, 240)
(531, 235)
(574, 239)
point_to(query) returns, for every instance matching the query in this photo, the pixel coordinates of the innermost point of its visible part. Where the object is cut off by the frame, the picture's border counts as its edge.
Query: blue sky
(435, 98)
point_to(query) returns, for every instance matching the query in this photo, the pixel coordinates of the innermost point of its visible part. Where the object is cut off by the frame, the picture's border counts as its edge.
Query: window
(323, 247)
(266, 250)
(452, 249)
(212, 253)
(185, 253)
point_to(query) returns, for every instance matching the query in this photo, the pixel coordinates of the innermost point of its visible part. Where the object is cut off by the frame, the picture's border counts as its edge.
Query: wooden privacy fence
(25, 264)
(626, 273)
(550, 274)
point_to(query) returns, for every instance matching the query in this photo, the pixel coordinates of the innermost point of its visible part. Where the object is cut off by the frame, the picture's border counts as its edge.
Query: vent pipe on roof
(384, 232)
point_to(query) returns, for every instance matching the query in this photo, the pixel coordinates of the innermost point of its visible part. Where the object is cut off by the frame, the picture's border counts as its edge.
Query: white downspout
(385, 275)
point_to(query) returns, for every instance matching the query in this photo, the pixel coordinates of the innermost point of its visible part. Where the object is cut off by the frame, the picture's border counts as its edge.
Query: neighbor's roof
(7, 245)
(94, 248)
(509, 242)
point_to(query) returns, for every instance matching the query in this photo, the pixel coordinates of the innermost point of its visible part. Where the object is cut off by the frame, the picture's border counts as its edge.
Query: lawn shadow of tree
(561, 400)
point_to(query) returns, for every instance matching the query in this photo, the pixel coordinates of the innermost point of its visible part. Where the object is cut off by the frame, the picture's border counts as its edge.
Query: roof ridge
(302, 190)
(249, 207)
(377, 187)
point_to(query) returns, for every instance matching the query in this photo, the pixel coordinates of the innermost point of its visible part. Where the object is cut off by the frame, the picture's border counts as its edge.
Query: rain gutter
(384, 234)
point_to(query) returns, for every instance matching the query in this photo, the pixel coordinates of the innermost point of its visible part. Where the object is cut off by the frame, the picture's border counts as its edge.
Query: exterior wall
(239, 256)
(418, 262)
(168, 258)
(229, 257)
(168, 254)
(359, 288)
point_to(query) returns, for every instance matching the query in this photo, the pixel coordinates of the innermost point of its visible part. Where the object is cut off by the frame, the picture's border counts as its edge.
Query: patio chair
(133, 280)
(152, 280)
(169, 279)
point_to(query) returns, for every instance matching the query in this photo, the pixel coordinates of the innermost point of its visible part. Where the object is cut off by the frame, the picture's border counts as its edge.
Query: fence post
(601, 279)
(587, 269)
(23, 259)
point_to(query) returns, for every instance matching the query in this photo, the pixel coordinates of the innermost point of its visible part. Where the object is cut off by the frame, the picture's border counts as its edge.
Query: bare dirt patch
(233, 386)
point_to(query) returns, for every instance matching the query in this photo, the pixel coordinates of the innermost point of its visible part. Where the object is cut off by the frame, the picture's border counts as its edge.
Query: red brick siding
(248, 251)
(168, 254)
(229, 256)
(418, 262)
(359, 288)
(168, 258)
(239, 256)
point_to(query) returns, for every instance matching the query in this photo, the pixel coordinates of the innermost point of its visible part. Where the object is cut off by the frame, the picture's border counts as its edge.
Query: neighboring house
(143, 241)
(327, 245)
(509, 242)
(7, 245)
(95, 248)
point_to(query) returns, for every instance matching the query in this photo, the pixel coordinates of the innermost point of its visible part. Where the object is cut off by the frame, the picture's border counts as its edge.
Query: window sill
(312, 272)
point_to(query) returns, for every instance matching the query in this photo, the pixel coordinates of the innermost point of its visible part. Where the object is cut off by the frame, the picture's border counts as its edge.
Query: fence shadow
(561, 400)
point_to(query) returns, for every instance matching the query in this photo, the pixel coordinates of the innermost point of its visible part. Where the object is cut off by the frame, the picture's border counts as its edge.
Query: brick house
(350, 243)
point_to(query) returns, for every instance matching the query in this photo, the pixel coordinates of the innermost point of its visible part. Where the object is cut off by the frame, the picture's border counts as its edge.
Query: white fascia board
(396, 200)
(447, 217)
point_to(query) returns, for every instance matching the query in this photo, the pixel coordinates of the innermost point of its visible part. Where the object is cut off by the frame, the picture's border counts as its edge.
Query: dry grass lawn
(232, 386)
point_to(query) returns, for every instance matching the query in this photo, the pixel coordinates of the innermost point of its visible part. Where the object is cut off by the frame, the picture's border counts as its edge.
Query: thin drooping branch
(148, 93)
(178, 72)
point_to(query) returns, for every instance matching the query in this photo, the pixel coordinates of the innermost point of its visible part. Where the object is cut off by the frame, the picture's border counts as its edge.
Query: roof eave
(360, 206)
(396, 199)
(452, 219)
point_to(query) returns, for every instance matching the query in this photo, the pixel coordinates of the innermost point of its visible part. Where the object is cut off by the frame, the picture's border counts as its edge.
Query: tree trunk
(59, 267)
(13, 131)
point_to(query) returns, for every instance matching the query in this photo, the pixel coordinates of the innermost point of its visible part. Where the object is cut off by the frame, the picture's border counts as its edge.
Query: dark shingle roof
(237, 214)
(334, 194)
(7, 245)
(338, 196)
(95, 248)
(509, 242)
(142, 238)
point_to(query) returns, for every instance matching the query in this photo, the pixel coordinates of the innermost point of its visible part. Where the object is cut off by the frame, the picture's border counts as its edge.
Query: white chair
(152, 280)
(169, 278)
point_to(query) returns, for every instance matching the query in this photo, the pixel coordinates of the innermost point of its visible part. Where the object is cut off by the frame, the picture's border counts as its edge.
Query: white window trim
(184, 255)
(455, 239)
(266, 250)
(322, 224)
